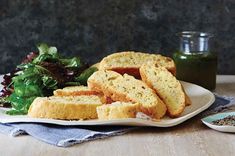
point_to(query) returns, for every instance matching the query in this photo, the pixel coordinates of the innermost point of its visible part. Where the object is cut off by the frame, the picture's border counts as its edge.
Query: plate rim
(134, 121)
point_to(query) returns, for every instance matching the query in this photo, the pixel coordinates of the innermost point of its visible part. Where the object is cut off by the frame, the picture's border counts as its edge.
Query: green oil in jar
(198, 68)
(194, 62)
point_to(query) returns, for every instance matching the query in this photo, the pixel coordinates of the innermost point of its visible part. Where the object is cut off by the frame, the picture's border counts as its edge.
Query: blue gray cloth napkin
(62, 136)
(65, 136)
(221, 104)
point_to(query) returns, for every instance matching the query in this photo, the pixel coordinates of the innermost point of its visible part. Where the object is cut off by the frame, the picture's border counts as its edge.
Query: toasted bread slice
(117, 110)
(74, 91)
(78, 91)
(100, 79)
(129, 62)
(188, 101)
(81, 90)
(166, 86)
(67, 108)
(126, 88)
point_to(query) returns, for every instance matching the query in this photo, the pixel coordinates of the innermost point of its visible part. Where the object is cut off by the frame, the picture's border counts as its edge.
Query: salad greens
(46, 72)
(82, 78)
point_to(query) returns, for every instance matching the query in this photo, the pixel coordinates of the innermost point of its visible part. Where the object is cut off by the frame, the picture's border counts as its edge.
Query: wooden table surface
(189, 138)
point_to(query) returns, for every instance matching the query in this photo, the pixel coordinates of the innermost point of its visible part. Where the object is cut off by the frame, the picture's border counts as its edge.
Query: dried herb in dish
(227, 121)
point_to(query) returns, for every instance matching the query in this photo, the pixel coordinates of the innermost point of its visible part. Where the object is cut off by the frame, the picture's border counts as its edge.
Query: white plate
(201, 100)
(208, 121)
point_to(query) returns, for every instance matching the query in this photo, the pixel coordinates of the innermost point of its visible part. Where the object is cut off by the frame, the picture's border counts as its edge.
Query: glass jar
(194, 61)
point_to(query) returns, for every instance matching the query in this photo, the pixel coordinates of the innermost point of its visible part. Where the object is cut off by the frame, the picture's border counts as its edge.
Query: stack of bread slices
(125, 84)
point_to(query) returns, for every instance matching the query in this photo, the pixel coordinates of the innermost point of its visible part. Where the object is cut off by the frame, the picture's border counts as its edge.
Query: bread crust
(43, 107)
(74, 93)
(188, 101)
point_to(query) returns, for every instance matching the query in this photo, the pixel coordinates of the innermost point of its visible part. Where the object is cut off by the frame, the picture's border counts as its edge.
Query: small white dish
(201, 99)
(209, 122)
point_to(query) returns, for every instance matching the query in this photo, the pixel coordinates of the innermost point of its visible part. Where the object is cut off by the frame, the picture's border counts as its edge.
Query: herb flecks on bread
(113, 92)
(74, 91)
(100, 79)
(128, 89)
(166, 86)
(118, 110)
(129, 62)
